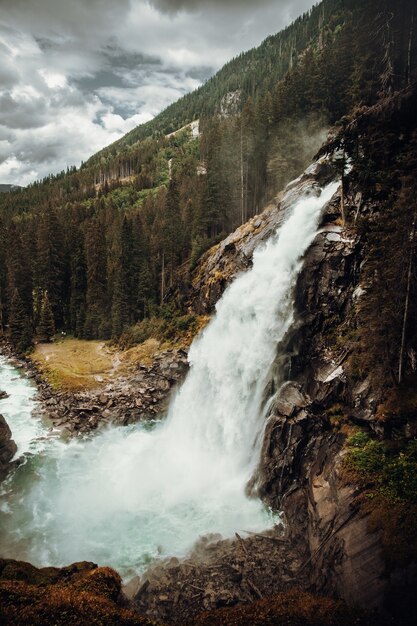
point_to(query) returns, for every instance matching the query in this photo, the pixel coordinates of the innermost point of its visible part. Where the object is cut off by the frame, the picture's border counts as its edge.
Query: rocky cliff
(331, 546)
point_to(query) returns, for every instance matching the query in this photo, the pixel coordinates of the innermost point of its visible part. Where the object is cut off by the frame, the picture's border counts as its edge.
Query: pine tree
(98, 322)
(78, 286)
(172, 229)
(19, 275)
(120, 306)
(21, 333)
(46, 327)
(3, 278)
(50, 262)
(129, 264)
(146, 290)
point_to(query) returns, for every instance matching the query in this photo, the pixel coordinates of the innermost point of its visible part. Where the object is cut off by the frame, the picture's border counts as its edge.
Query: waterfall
(130, 494)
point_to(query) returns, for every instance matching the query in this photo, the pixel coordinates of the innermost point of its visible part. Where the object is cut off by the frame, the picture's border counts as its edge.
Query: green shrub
(167, 325)
(389, 468)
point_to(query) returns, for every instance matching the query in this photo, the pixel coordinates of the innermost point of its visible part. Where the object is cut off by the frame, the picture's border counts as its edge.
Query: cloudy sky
(76, 75)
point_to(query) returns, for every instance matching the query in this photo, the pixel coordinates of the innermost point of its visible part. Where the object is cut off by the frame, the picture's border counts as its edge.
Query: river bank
(140, 394)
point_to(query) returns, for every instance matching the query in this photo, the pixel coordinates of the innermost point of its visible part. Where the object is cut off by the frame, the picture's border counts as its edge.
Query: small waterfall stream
(128, 495)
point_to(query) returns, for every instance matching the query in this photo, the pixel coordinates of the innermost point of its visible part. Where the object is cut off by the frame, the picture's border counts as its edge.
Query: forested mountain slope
(93, 251)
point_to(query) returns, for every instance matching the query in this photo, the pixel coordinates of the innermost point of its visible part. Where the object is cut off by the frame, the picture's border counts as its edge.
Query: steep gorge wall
(301, 470)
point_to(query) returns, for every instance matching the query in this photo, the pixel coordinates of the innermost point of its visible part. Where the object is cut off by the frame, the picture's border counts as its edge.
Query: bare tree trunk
(246, 191)
(407, 301)
(163, 278)
(342, 200)
(1, 313)
(242, 209)
(388, 73)
(342, 192)
(410, 45)
(321, 29)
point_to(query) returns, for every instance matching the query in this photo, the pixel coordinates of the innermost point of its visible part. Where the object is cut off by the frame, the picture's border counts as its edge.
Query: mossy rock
(81, 593)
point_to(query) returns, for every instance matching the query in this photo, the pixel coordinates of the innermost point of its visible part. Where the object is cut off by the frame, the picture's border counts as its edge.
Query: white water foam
(131, 494)
(17, 409)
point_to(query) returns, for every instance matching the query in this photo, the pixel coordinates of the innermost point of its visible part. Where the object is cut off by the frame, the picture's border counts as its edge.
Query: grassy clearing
(75, 364)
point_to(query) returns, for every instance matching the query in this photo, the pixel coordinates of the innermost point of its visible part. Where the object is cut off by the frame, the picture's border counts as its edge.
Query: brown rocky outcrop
(140, 395)
(7, 448)
(81, 593)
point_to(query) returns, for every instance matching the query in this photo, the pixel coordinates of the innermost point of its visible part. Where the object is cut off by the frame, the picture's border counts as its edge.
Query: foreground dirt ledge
(83, 593)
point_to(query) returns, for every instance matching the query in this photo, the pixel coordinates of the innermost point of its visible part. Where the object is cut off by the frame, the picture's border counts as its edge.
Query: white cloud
(76, 76)
(53, 80)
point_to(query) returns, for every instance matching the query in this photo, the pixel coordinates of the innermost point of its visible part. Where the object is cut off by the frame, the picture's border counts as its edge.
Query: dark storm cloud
(173, 6)
(76, 75)
(52, 18)
(29, 114)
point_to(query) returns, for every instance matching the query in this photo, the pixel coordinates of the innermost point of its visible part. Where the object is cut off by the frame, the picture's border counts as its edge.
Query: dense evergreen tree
(172, 230)
(78, 287)
(97, 322)
(18, 271)
(3, 277)
(50, 263)
(20, 326)
(46, 326)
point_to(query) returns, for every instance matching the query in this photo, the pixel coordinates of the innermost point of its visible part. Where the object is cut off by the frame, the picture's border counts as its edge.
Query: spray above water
(131, 494)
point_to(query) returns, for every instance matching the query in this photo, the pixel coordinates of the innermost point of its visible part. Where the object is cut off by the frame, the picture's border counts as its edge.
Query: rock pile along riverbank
(142, 394)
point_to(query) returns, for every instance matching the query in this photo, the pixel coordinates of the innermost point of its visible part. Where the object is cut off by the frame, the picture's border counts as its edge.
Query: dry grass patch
(75, 364)
(143, 353)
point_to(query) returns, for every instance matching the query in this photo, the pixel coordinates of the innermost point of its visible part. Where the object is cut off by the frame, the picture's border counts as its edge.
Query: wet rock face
(297, 425)
(346, 558)
(299, 471)
(8, 448)
(220, 265)
(301, 456)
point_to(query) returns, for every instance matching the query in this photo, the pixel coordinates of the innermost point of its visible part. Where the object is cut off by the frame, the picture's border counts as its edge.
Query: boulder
(290, 398)
(8, 448)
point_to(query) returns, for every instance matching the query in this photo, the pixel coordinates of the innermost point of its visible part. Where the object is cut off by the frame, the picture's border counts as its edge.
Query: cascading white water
(130, 494)
(18, 407)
